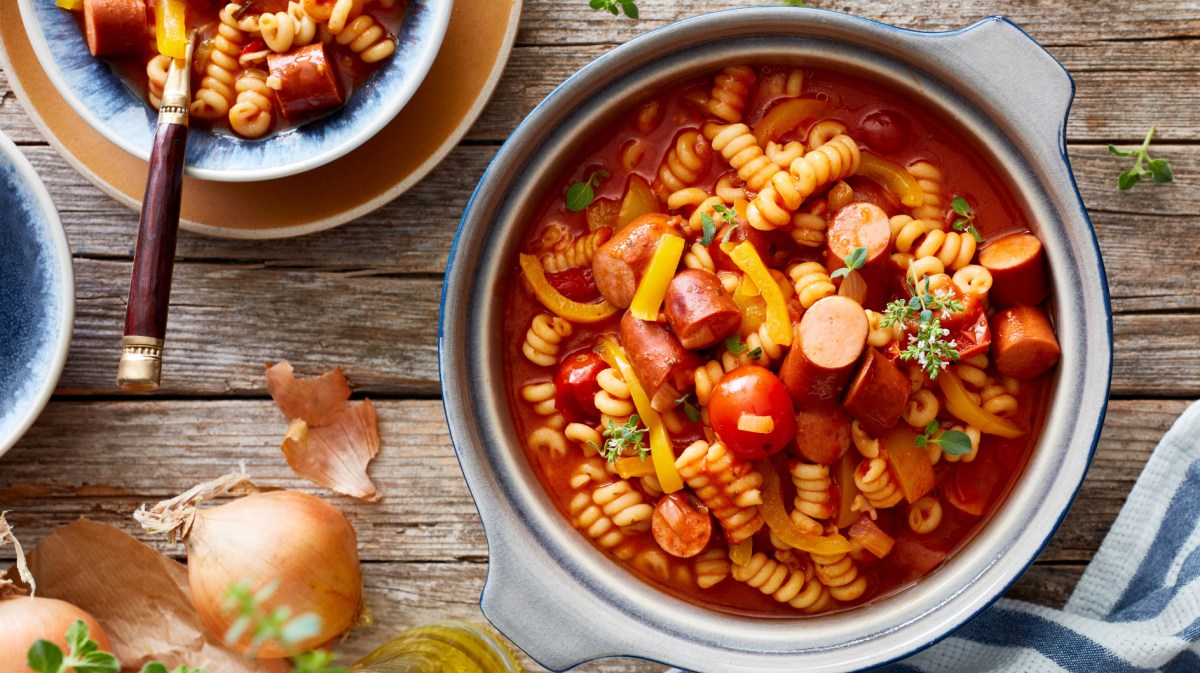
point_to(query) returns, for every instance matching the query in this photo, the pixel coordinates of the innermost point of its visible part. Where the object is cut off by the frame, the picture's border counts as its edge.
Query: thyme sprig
(622, 440)
(928, 346)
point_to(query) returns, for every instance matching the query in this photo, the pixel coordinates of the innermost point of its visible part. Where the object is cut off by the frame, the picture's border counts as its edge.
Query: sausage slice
(699, 310)
(822, 435)
(308, 81)
(663, 366)
(681, 525)
(1023, 342)
(860, 225)
(618, 264)
(878, 393)
(828, 341)
(1018, 270)
(114, 26)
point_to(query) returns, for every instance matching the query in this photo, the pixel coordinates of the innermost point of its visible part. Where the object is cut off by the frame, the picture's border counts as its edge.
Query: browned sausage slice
(699, 310)
(1023, 344)
(860, 225)
(618, 264)
(114, 26)
(308, 81)
(663, 366)
(878, 393)
(829, 340)
(822, 435)
(681, 525)
(1018, 272)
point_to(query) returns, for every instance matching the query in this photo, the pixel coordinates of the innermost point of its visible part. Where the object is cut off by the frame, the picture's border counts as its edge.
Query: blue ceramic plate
(98, 95)
(37, 295)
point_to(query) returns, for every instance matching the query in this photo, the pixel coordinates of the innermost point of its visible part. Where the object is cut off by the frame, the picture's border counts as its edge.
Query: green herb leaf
(303, 627)
(98, 662)
(756, 353)
(975, 232)
(1127, 179)
(689, 409)
(1112, 149)
(709, 227)
(954, 442)
(616, 7)
(1157, 169)
(581, 194)
(967, 220)
(726, 213)
(728, 233)
(854, 261)
(920, 441)
(795, 3)
(77, 635)
(623, 440)
(154, 667)
(1161, 170)
(44, 657)
(734, 345)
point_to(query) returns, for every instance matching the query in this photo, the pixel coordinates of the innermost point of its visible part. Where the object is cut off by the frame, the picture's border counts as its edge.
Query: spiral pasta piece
(973, 279)
(783, 155)
(575, 253)
(730, 188)
(543, 337)
(738, 145)
(726, 485)
(590, 518)
(711, 567)
(811, 282)
(785, 585)
(730, 89)
(549, 439)
(921, 409)
(813, 486)
(824, 131)
(216, 92)
(698, 257)
(614, 398)
(156, 79)
(808, 229)
(773, 207)
(591, 470)
(760, 341)
(919, 238)
(706, 378)
(875, 482)
(839, 573)
(996, 399)
(868, 446)
(925, 515)
(365, 37)
(686, 161)
(624, 505)
(541, 396)
(879, 337)
(585, 436)
(929, 177)
(252, 115)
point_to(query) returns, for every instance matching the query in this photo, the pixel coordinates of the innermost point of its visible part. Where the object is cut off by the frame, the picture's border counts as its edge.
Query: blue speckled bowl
(37, 295)
(99, 96)
(563, 601)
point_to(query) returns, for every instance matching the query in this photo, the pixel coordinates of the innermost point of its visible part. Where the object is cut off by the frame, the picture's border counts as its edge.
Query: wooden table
(365, 296)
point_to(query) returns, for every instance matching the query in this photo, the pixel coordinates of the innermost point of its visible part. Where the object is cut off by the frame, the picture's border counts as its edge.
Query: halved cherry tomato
(752, 390)
(575, 284)
(681, 525)
(885, 131)
(974, 485)
(973, 338)
(575, 386)
(916, 555)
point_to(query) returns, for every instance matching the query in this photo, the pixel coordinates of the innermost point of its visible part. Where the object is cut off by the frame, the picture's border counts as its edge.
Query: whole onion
(25, 619)
(295, 541)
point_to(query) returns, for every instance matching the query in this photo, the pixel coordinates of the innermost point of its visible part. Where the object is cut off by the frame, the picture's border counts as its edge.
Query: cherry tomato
(681, 525)
(575, 284)
(974, 485)
(884, 131)
(575, 386)
(752, 390)
(973, 338)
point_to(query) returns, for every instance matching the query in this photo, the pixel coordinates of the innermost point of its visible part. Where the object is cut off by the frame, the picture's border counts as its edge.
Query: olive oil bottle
(441, 647)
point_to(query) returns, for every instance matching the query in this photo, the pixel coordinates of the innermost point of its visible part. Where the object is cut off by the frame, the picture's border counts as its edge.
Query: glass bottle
(441, 647)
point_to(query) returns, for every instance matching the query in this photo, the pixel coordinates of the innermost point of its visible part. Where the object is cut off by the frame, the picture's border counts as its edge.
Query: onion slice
(775, 514)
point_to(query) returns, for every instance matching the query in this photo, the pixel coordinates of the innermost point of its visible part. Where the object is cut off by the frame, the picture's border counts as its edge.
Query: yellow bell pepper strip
(745, 287)
(778, 322)
(70, 5)
(170, 27)
(740, 553)
(661, 452)
(962, 408)
(895, 178)
(775, 514)
(653, 286)
(639, 199)
(632, 466)
(567, 309)
(787, 116)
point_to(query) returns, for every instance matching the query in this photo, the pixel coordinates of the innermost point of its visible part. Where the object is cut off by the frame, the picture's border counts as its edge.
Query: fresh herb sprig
(83, 656)
(966, 219)
(928, 346)
(854, 261)
(622, 440)
(278, 625)
(1157, 169)
(709, 226)
(951, 442)
(795, 3)
(690, 410)
(581, 194)
(616, 7)
(735, 345)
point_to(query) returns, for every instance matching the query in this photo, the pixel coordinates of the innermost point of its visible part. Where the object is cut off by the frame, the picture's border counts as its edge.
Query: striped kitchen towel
(1137, 607)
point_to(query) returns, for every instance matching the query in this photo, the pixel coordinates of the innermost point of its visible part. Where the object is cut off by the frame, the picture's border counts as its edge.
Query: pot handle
(1025, 84)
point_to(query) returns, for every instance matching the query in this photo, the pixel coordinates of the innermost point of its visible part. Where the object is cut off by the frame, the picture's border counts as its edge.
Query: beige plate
(466, 71)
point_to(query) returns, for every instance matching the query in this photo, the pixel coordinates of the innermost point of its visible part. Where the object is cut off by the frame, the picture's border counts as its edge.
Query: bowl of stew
(775, 338)
(278, 86)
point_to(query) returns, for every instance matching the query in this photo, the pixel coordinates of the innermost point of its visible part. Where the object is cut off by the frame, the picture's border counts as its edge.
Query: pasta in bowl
(279, 86)
(754, 390)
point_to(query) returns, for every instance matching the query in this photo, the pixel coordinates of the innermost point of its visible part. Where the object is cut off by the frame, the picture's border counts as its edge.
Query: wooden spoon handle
(153, 261)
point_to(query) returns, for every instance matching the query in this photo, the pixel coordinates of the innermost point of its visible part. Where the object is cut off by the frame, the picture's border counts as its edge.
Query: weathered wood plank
(226, 320)
(103, 459)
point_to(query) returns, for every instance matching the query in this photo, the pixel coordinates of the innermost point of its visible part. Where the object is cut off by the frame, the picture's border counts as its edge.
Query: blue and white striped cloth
(1137, 607)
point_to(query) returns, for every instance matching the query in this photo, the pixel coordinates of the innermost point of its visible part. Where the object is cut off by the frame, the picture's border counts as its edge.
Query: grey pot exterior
(564, 602)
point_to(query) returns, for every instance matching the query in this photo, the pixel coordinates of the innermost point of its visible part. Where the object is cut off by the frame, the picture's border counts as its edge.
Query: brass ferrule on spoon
(140, 368)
